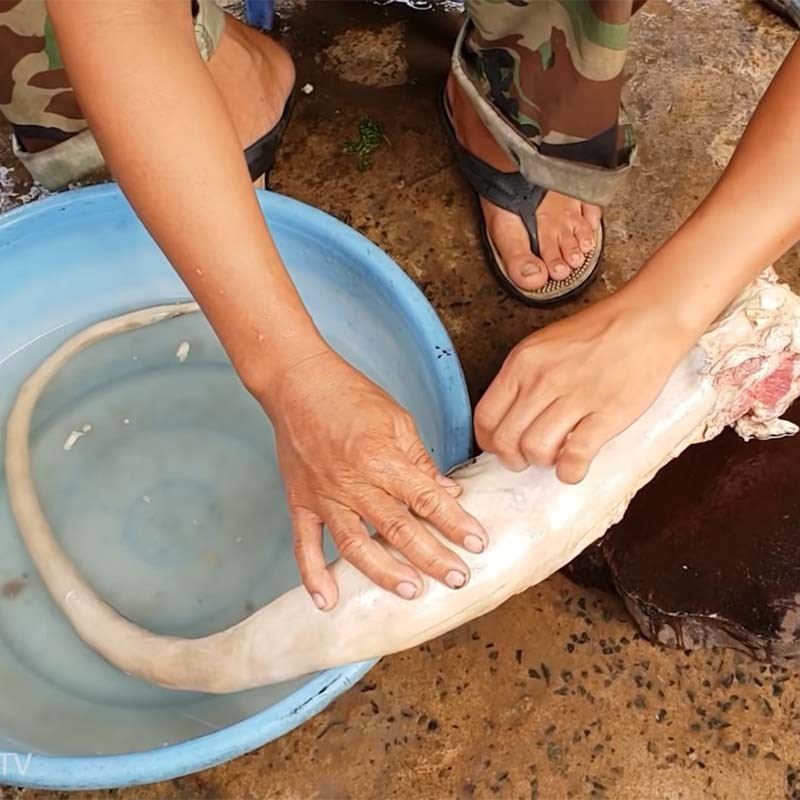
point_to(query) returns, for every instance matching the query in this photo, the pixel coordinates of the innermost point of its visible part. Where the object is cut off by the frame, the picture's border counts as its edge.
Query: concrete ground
(554, 695)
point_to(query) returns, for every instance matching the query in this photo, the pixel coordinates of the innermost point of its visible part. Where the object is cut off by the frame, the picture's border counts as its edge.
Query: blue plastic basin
(172, 506)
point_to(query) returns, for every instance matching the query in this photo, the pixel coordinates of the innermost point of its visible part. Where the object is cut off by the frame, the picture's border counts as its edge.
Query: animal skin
(744, 372)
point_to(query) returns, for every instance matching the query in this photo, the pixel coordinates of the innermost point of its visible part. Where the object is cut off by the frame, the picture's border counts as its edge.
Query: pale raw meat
(744, 372)
(183, 351)
(74, 436)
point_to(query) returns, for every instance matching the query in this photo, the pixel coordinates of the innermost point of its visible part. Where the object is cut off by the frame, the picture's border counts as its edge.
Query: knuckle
(525, 356)
(399, 532)
(483, 412)
(351, 544)
(376, 461)
(300, 550)
(426, 502)
(578, 449)
(372, 463)
(404, 423)
(539, 452)
(505, 445)
(418, 456)
(434, 565)
(293, 498)
(300, 546)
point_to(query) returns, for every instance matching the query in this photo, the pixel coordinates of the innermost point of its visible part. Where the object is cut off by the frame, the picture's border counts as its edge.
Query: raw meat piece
(743, 372)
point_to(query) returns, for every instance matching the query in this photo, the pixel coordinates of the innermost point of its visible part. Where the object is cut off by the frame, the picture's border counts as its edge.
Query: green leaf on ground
(370, 139)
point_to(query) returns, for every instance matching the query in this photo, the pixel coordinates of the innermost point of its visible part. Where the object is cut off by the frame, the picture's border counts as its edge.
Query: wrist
(655, 316)
(682, 301)
(264, 367)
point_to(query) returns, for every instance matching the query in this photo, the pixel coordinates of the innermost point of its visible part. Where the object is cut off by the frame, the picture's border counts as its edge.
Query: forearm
(750, 218)
(169, 141)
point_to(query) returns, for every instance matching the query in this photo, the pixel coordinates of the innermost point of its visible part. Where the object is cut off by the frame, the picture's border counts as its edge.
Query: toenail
(560, 270)
(587, 245)
(529, 270)
(576, 259)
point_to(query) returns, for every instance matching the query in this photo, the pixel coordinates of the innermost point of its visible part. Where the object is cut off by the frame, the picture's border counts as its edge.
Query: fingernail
(319, 601)
(455, 579)
(529, 270)
(443, 480)
(473, 543)
(407, 590)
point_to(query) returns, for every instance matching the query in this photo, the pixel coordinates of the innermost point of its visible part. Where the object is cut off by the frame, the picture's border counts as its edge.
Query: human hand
(564, 391)
(351, 457)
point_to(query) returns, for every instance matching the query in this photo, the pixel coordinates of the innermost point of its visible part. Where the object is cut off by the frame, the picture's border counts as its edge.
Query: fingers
(408, 535)
(582, 445)
(493, 407)
(559, 434)
(506, 439)
(422, 460)
(534, 425)
(369, 556)
(307, 530)
(413, 483)
(427, 500)
(544, 438)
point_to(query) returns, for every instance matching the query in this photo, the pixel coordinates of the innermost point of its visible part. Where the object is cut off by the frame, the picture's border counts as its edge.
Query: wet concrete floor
(554, 695)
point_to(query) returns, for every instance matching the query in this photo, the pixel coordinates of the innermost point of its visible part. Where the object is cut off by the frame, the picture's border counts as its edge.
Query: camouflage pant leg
(546, 77)
(50, 135)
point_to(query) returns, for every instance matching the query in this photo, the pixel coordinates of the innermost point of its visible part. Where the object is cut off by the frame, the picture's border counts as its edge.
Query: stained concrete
(553, 695)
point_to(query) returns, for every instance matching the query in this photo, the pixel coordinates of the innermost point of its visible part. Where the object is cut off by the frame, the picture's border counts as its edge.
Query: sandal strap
(508, 190)
(260, 155)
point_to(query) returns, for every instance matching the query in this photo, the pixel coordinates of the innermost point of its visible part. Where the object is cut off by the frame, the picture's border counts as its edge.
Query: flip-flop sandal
(261, 154)
(513, 192)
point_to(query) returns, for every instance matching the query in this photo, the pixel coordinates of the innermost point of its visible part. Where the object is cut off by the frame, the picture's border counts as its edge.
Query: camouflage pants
(544, 75)
(50, 135)
(546, 78)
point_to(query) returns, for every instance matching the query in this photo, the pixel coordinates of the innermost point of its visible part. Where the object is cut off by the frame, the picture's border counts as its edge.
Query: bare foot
(255, 76)
(567, 227)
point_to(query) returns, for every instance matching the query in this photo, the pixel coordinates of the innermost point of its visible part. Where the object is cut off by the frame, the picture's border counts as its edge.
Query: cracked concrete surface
(554, 695)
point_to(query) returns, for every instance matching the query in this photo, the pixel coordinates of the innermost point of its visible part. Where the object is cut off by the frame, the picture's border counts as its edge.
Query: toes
(592, 214)
(567, 232)
(557, 266)
(571, 250)
(511, 240)
(585, 235)
(527, 271)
